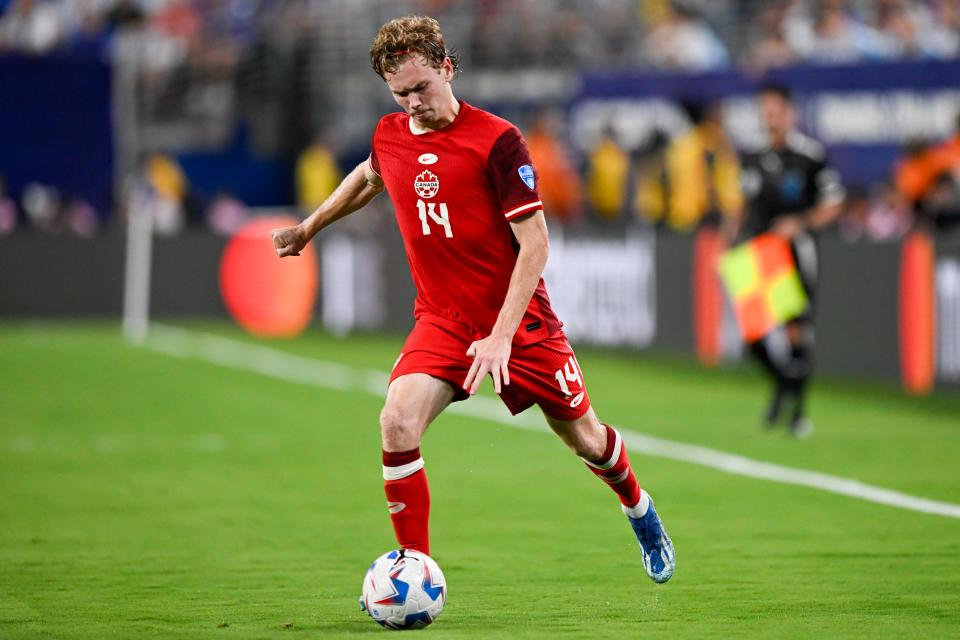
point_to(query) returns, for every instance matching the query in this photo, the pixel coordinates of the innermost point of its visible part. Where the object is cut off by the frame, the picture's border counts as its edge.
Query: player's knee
(586, 438)
(399, 431)
(588, 446)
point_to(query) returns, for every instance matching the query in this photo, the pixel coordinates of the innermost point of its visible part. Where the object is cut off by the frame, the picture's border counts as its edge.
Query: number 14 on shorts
(570, 372)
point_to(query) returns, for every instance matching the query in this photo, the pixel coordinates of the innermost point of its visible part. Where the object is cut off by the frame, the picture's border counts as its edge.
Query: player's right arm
(357, 189)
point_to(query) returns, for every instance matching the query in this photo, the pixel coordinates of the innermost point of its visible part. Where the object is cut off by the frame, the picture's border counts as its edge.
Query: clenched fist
(289, 241)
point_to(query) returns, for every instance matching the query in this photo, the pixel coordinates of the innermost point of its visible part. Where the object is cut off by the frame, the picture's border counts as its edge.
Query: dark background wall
(49, 275)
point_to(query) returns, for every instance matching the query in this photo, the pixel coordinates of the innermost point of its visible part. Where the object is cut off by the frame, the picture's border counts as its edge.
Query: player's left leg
(601, 448)
(547, 374)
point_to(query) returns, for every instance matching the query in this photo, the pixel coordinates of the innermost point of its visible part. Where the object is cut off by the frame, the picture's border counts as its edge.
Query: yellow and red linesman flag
(761, 279)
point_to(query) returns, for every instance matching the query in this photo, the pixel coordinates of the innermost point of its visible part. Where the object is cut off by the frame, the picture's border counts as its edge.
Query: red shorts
(545, 373)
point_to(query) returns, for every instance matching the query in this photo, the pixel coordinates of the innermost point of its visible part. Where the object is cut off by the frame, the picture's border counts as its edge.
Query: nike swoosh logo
(396, 507)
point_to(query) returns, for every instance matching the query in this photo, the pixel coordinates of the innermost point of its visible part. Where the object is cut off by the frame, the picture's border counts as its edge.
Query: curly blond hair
(403, 37)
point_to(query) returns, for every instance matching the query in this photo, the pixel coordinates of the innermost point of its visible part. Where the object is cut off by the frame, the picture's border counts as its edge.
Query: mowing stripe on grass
(330, 375)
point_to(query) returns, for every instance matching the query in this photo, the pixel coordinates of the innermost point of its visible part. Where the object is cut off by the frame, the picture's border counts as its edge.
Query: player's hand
(788, 227)
(490, 355)
(289, 241)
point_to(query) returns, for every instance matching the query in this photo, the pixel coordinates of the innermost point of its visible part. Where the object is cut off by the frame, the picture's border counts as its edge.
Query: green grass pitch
(146, 496)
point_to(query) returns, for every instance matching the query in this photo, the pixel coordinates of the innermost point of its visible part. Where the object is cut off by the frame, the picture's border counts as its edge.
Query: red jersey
(455, 190)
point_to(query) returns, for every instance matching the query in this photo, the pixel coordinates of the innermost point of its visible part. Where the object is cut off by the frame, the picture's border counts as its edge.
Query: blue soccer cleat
(658, 557)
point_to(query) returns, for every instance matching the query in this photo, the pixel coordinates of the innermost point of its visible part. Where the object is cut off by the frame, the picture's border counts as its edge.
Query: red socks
(408, 498)
(614, 469)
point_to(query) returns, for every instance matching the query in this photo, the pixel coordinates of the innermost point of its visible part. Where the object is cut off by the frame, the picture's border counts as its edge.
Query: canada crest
(426, 184)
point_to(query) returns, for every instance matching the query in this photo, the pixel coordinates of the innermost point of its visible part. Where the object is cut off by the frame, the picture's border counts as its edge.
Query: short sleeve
(373, 160)
(513, 175)
(827, 180)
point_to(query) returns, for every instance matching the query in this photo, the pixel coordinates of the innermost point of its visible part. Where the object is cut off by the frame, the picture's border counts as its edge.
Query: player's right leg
(413, 401)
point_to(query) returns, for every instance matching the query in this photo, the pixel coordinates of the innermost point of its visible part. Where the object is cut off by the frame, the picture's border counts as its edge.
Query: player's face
(424, 92)
(778, 116)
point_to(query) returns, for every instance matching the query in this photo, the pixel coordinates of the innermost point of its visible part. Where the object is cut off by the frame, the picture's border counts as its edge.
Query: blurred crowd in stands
(693, 178)
(669, 34)
(676, 182)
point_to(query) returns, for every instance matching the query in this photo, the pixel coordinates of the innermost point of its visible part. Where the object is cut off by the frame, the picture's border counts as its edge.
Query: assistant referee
(790, 190)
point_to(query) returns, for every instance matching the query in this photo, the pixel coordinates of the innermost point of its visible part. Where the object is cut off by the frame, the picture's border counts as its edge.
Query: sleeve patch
(527, 175)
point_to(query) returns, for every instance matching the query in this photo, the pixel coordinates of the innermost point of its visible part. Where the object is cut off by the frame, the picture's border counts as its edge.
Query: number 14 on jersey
(428, 210)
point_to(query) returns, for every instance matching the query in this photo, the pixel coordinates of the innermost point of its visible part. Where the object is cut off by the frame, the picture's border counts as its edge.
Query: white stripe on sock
(640, 509)
(608, 464)
(620, 478)
(404, 470)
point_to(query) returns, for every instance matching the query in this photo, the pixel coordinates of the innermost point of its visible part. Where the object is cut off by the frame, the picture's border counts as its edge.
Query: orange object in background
(707, 297)
(918, 313)
(266, 295)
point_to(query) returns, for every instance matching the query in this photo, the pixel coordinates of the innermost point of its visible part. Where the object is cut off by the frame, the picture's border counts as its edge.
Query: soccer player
(465, 194)
(790, 191)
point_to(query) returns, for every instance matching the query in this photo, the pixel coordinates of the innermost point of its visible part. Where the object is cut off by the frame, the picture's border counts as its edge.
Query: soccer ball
(404, 590)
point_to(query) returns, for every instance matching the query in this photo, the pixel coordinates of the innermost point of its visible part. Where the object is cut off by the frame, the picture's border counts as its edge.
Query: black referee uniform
(789, 181)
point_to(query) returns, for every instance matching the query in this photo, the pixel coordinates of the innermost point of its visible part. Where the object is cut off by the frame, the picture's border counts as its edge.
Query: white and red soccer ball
(404, 590)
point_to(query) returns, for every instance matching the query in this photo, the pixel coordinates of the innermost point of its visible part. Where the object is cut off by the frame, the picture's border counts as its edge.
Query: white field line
(244, 356)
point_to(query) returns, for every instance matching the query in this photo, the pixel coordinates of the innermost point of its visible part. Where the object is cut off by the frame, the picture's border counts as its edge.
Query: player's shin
(408, 498)
(614, 469)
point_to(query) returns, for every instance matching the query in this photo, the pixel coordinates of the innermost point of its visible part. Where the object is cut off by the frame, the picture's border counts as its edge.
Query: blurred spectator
(649, 177)
(32, 26)
(8, 209)
(916, 171)
(608, 169)
(166, 177)
(769, 47)
(41, 204)
(827, 31)
(317, 175)
(942, 202)
(703, 170)
(852, 224)
(123, 13)
(913, 31)
(81, 218)
(166, 193)
(889, 216)
(684, 40)
(882, 215)
(179, 19)
(929, 177)
(225, 214)
(559, 185)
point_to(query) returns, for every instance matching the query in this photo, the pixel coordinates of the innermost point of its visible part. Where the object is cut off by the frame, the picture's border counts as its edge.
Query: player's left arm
(491, 354)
